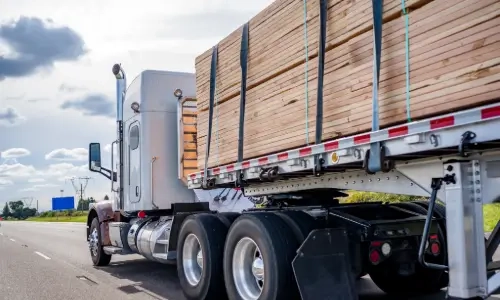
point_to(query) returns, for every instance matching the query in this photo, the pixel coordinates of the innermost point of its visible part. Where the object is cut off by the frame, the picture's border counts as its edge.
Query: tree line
(17, 210)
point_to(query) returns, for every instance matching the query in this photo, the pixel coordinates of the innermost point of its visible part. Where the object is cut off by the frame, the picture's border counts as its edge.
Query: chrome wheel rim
(94, 242)
(192, 259)
(248, 269)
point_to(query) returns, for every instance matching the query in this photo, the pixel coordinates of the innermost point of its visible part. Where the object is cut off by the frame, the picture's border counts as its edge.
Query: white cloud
(35, 180)
(14, 153)
(63, 154)
(107, 149)
(64, 171)
(5, 182)
(59, 171)
(31, 189)
(16, 170)
(46, 185)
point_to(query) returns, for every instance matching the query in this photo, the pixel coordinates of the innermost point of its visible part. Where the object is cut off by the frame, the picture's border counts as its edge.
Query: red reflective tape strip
(490, 112)
(331, 146)
(398, 131)
(216, 171)
(245, 164)
(443, 122)
(361, 139)
(230, 168)
(263, 160)
(305, 151)
(282, 156)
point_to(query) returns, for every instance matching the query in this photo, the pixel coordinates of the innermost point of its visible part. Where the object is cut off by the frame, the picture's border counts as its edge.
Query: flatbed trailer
(454, 158)
(283, 233)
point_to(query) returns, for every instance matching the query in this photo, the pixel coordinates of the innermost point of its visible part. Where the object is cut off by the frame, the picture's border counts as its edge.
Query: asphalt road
(51, 261)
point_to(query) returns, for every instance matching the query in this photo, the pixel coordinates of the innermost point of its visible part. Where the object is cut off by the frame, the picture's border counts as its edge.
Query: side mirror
(95, 157)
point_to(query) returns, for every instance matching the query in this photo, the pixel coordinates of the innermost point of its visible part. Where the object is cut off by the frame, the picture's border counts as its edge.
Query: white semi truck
(272, 227)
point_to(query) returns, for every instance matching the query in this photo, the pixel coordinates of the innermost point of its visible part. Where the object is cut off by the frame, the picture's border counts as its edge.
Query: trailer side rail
(427, 138)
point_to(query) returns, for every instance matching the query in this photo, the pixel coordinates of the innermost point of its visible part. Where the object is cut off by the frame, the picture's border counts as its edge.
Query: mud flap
(322, 266)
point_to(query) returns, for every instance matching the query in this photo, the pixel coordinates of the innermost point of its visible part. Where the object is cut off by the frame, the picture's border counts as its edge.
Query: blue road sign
(60, 203)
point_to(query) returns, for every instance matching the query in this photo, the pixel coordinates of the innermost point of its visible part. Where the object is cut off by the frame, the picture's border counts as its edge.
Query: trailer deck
(431, 138)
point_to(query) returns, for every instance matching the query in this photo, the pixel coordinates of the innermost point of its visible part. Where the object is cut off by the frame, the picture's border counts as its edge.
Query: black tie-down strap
(375, 158)
(323, 16)
(213, 75)
(243, 93)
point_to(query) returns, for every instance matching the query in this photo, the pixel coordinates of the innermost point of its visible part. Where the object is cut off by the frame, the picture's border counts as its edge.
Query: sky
(57, 92)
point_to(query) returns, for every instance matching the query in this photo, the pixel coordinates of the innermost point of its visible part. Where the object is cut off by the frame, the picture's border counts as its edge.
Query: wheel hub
(192, 259)
(258, 268)
(248, 269)
(199, 259)
(94, 242)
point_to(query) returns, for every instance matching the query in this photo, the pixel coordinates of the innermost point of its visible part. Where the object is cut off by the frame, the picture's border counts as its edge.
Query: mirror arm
(107, 174)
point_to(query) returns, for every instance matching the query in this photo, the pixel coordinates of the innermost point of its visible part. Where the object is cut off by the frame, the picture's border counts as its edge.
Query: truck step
(115, 250)
(112, 250)
(165, 257)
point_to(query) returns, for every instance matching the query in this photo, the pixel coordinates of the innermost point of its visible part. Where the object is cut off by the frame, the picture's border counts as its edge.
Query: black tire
(228, 217)
(423, 281)
(299, 222)
(211, 233)
(277, 244)
(101, 258)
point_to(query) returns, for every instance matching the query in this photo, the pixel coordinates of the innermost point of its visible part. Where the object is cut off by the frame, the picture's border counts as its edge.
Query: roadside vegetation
(17, 211)
(69, 215)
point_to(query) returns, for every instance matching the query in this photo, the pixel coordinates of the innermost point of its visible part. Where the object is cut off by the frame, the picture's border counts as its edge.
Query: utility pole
(80, 184)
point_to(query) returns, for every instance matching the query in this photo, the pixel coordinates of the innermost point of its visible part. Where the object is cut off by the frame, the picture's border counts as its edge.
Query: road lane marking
(13, 240)
(1, 233)
(42, 255)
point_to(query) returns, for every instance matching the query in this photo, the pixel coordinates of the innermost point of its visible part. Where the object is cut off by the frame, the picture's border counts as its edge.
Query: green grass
(75, 219)
(491, 214)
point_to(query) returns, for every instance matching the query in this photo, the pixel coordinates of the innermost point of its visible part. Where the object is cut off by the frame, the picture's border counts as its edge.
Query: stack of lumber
(454, 56)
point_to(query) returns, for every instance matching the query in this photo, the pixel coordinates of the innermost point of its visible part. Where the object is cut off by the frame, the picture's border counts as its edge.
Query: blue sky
(56, 87)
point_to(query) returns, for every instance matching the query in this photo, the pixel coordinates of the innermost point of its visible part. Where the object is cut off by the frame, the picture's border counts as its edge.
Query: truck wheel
(199, 257)
(99, 257)
(299, 222)
(423, 280)
(228, 217)
(258, 258)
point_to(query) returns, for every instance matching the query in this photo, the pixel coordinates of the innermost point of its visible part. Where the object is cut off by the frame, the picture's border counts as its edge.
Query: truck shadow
(160, 281)
(152, 279)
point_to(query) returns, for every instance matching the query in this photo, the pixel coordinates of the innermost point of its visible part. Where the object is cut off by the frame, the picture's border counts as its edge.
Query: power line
(80, 185)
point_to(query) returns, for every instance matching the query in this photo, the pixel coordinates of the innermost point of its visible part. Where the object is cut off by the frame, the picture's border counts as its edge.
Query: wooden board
(188, 123)
(454, 56)
(278, 44)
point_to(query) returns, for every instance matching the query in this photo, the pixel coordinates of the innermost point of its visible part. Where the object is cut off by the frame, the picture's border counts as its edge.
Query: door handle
(137, 191)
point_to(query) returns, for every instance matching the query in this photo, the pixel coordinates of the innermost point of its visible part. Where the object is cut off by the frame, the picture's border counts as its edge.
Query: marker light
(178, 93)
(386, 249)
(374, 257)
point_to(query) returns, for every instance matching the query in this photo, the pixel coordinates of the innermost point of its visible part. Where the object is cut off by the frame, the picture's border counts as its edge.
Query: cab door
(134, 154)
